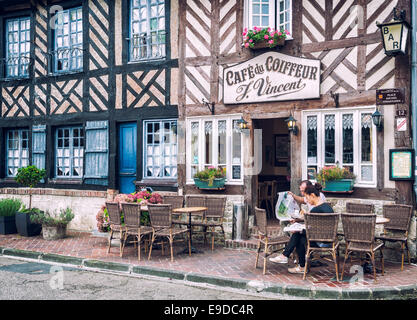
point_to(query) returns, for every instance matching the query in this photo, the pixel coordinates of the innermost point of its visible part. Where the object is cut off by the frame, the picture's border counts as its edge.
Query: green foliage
(210, 173)
(9, 207)
(62, 219)
(333, 173)
(251, 37)
(144, 218)
(30, 176)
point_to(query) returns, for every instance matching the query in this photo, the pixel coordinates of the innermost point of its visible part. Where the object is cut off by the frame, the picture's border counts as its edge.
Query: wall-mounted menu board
(401, 164)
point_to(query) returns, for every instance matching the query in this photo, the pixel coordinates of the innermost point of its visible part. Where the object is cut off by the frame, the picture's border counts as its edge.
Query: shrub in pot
(8, 209)
(54, 226)
(29, 177)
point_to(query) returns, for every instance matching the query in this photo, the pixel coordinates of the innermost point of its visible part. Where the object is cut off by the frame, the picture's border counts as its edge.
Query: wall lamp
(377, 119)
(291, 123)
(209, 105)
(395, 34)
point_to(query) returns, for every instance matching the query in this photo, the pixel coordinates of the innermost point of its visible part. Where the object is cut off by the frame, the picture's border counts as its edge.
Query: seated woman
(302, 200)
(298, 239)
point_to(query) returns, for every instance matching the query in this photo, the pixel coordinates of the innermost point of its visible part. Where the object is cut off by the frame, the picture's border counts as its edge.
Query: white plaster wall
(84, 208)
(389, 142)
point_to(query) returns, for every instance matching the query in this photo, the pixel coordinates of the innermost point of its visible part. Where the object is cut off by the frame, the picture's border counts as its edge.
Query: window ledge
(8, 180)
(57, 74)
(157, 183)
(65, 181)
(147, 60)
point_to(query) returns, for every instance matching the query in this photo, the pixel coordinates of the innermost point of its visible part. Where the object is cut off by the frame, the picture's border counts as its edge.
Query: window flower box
(218, 184)
(263, 38)
(336, 179)
(210, 178)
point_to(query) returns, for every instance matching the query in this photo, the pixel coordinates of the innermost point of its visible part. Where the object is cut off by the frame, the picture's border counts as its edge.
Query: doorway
(127, 157)
(275, 175)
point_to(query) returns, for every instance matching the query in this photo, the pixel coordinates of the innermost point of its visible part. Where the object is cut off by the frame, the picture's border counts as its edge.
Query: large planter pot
(8, 225)
(218, 184)
(25, 227)
(53, 232)
(343, 185)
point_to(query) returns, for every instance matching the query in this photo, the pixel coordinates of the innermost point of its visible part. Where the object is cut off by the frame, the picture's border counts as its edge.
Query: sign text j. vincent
(272, 76)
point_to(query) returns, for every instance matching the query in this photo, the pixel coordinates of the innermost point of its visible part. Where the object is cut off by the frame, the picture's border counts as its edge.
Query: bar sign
(401, 124)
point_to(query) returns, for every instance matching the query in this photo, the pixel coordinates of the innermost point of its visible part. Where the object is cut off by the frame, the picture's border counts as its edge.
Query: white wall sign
(401, 124)
(271, 76)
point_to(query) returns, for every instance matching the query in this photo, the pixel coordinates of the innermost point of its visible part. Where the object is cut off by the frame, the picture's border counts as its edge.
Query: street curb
(218, 281)
(296, 291)
(51, 257)
(21, 253)
(112, 266)
(177, 275)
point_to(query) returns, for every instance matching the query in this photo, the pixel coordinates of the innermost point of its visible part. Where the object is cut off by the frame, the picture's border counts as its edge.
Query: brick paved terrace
(222, 262)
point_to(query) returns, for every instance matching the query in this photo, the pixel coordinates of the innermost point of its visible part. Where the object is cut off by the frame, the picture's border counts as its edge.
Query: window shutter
(96, 152)
(39, 146)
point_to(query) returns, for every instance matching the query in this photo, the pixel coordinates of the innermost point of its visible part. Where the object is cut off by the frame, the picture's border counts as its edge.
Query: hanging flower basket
(264, 44)
(211, 178)
(218, 184)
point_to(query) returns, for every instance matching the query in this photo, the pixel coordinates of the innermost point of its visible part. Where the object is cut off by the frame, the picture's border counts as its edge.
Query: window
(69, 152)
(17, 47)
(214, 141)
(276, 14)
(147, 29)
(17, 145)
(69, 40)
(160, 149)
(344, 137)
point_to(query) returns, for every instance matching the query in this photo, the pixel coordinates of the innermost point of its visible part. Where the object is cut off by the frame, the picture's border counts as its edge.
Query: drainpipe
(414, 80)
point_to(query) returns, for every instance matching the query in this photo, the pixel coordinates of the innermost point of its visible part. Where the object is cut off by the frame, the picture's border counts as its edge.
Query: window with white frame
(17, 47)
(276, 14)
(340, 137)
(17, 145)
(69, 159)
(69, 40)
(214, 141)
(160, 149)
(147, 29)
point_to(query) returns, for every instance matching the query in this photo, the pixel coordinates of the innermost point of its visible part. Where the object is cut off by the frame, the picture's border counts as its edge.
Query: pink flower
(246, 45)
(286, 31)
(271, 41)
(279, 33)
(244, 34)
(245, 30)
(266, 37)
(269, 29)
(250, 40)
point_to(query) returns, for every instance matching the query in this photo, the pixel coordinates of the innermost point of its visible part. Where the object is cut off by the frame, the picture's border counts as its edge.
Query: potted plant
(28, 176)
(210, 178)
(8, 209)
(336, 179)
(264, 38)
(54, 227)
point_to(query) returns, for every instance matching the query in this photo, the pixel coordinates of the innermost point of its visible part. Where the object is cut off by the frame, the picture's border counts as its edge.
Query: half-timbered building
(89, 93)
(334, 127)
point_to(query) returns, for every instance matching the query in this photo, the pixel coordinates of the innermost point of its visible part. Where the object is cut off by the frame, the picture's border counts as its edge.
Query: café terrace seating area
(349, 236)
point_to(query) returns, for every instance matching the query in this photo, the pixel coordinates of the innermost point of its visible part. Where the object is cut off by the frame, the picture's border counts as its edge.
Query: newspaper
(287, 208)
(295, 227)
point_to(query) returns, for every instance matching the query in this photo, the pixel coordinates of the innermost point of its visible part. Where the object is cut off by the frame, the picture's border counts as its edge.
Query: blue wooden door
(127, 157)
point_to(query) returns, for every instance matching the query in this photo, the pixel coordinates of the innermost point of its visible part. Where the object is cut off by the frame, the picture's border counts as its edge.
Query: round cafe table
(191, 211)
(381, 220)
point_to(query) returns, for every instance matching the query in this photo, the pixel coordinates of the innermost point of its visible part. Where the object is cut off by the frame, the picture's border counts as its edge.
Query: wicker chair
(161, 223)
(214, 217)
(133, 225)
(353, 207)
(322, 227)
(360, 237)
(396, 230)
(175, 202)
(267, 242)
(113, 210)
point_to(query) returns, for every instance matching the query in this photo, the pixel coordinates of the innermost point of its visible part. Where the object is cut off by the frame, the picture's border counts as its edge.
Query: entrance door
(127, 157)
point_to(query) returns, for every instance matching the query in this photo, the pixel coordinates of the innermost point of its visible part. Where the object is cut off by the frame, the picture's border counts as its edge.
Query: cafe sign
(271, 76)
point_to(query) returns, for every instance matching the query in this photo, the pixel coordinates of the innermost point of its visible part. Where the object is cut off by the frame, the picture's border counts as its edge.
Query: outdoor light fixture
(377, 120)
(242, 124)
(395, 34)
(291, 125)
